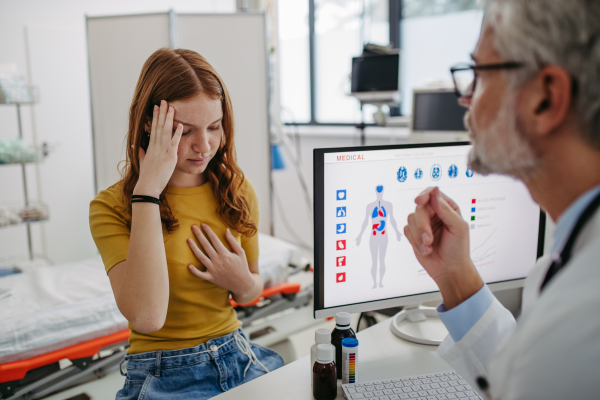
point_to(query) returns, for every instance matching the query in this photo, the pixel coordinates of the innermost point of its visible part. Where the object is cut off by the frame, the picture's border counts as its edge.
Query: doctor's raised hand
(158, 162)
(440, 239)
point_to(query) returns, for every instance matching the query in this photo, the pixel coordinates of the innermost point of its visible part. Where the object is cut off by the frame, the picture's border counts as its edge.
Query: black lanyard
(565, 254)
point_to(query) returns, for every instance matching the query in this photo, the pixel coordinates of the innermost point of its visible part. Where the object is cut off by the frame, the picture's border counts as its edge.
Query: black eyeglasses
(465, 76)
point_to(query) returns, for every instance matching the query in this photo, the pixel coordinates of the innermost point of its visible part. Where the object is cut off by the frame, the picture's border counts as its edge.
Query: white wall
(59, 67)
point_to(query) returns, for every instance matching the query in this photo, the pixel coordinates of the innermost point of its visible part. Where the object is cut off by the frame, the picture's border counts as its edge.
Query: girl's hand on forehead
(158, 162)
(223, 267)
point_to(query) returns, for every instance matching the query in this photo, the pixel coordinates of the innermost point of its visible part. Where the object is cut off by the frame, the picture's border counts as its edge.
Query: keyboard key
(404, 396)
(351, 390)
(451, 389)
(388, 392)
(442, 391)
(394, 397)
(454, 378)
(357, 396)
(442, 397)
(378, 393)
(360, 389)
(452, 383)
(416, 388)
(406, 389)
(471, 393)
(461, 395)
(426, 380)
(422, 393)
(462, 381)
(435, 386)
(384, 398)
(444, 384)
(451, 396)
(398, 385)
(369, 395)
(413, 395)
(430, 375)
(386, 381)
(444, 379)
(389, 385)
(432, 392)
(422, 376)
(435, 380)
(397, 391)
(460, 388)
(425, 387)
(370, 388)
(380, 387)
(431, 397)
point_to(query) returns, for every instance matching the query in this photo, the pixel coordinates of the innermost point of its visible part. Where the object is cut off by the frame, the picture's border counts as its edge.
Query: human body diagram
(379, 211)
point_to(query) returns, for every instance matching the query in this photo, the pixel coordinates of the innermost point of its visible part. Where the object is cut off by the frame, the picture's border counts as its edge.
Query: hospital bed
(61, 326)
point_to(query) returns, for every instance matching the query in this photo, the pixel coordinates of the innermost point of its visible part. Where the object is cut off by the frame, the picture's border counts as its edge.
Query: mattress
(57, 306)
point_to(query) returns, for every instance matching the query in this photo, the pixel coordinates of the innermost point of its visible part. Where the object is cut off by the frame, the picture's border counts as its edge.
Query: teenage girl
(178, 235)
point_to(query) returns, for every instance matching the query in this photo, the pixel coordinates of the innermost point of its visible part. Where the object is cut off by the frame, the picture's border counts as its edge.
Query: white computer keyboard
(440, 386)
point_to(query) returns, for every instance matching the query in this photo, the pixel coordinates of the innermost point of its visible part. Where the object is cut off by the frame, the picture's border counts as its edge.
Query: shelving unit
(31, 211)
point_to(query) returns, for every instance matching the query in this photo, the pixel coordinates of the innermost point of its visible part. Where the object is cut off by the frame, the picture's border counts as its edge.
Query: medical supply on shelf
(322, 336)
(349, 360)
(324, 374)
(14, 151)
(342, 330)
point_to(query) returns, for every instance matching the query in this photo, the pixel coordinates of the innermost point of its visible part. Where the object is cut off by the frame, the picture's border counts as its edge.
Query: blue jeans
(199, 372)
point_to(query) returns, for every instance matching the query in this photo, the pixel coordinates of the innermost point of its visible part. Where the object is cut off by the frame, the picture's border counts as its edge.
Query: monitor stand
(419, 324)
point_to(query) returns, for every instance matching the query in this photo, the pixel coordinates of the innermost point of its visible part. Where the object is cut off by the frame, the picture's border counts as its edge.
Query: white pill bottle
(322, 336)
(349, 360)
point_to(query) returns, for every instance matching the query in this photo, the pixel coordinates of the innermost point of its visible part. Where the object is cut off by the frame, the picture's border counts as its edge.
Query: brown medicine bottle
(324, 374)
(342, 330)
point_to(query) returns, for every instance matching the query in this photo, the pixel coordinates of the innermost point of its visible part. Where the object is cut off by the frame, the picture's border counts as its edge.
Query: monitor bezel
(319, 232)
(417, 91)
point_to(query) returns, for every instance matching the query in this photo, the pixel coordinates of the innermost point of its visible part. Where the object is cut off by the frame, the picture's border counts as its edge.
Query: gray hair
(565, 33)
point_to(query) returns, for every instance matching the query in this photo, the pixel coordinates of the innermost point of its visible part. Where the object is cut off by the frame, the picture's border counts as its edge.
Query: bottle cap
(324, 353)
(322, 336)
(350, 342)
(342, 319)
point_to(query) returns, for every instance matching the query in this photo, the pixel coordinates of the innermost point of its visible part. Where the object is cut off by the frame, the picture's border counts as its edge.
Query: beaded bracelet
(136, 198)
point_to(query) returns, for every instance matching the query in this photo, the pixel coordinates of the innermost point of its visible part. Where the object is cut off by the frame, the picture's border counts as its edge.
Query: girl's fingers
(177, 136)
(210, 251)
(214, 239)
(167, 131)
(162, 116)
(202, 275)
(153, 129)
(199, 254)
(235, 246)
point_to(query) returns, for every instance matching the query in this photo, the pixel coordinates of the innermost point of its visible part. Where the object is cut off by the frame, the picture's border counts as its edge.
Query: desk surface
(382, 355)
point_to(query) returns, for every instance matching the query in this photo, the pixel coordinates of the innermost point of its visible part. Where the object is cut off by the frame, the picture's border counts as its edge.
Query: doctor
(533, 113)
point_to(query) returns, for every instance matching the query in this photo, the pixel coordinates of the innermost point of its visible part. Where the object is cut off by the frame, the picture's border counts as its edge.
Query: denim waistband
(211, 349)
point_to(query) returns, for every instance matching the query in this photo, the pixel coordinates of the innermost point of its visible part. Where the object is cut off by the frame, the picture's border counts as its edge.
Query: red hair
(178, 74)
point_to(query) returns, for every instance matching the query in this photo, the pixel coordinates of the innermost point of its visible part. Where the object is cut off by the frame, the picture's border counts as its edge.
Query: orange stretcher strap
(16, 370)
(284, 288)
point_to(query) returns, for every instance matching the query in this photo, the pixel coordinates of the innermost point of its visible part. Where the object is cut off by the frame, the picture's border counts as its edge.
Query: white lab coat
(553, 352)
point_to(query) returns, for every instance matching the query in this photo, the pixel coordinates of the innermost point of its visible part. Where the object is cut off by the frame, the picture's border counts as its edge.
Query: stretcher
(73, 335)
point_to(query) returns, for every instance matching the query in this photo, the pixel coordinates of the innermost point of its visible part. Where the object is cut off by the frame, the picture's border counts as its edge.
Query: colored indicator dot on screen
(472, 218)
(474, 201)
(472, 209)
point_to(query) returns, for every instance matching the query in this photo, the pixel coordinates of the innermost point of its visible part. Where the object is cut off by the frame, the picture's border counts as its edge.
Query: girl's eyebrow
(175, 120)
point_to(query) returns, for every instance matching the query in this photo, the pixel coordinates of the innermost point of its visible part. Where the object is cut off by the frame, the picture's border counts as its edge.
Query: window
(318, 39)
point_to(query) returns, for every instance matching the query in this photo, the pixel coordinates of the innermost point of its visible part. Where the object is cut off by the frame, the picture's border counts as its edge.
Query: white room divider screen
(235, 44)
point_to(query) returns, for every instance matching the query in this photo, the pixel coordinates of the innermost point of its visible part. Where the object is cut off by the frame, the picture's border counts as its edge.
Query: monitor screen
(363, 196)
(437, 111)
(375, 73)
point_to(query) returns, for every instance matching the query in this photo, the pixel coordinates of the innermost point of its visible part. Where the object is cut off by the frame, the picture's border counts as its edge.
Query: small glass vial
(349, 360)
(342, 330)
(324, 374)
(322, 336)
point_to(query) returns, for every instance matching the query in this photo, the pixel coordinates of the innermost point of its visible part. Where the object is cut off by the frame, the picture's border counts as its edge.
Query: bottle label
(349, 360)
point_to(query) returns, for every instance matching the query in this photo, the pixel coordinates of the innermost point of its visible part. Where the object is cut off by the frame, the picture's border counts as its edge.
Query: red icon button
(340, 261)
(340, 245)
(341, 277)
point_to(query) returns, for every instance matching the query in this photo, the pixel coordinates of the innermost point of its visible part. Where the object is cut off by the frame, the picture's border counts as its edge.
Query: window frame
(395, 18)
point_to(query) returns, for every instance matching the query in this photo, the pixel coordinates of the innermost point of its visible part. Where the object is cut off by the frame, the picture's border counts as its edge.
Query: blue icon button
(469, 172)
(402, 174)
(340, 212)
(436, 172)
(418, 173)
(340, 228)
(453, 171)
(341, 195)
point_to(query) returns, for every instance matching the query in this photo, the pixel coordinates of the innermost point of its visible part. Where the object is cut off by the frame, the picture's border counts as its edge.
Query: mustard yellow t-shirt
(198, 310)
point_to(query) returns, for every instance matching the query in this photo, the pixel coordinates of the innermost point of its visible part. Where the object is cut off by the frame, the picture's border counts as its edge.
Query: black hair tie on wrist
(138, 198)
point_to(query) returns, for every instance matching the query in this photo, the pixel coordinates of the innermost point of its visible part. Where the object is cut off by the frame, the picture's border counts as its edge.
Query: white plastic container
(322, 336)
(349, 360)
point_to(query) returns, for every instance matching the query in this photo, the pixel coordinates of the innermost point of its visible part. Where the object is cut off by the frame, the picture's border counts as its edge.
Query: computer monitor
(376, 79)
(436, 110)
(368, 193)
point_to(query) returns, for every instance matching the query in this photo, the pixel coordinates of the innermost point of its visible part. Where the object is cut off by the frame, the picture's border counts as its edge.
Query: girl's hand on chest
(223, 267)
